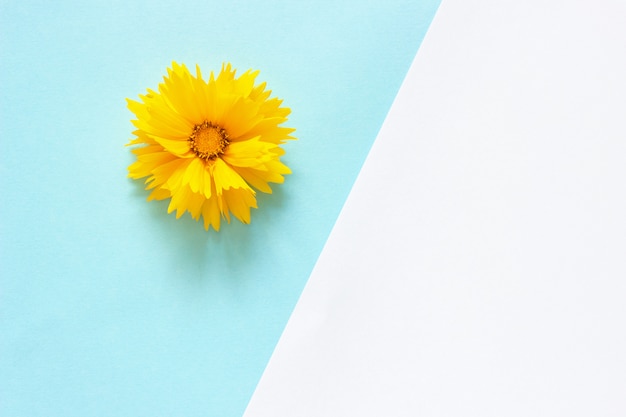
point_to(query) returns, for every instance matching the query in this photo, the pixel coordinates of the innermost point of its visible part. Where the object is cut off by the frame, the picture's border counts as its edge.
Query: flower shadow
(209, 259)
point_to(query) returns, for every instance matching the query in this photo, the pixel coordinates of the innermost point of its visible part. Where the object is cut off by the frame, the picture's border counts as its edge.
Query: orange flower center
(208, 141)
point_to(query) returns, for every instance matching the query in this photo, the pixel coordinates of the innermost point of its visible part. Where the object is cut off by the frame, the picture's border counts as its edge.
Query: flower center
(208, 141)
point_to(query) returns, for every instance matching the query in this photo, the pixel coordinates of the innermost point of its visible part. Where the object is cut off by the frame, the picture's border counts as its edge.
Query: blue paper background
(109, 306)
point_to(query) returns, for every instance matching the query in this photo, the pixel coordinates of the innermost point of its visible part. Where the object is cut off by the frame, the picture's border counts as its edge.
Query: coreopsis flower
(208, 145)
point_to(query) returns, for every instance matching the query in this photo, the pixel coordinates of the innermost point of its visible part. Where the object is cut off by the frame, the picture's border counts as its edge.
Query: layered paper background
(476, 260)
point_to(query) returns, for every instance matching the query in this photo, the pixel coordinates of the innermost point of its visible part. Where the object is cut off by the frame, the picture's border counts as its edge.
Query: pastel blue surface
(110, 306)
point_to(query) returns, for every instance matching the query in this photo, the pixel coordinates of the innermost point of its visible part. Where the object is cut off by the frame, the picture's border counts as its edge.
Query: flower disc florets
(208, 141)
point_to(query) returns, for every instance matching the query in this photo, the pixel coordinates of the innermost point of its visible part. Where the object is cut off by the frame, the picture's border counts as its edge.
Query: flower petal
(226, 178)
(239, 201)
(211, 213)
(249, 153)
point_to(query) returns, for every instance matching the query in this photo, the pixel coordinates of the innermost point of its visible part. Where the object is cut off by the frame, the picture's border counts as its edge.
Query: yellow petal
(249, 153)
(239, 202)
(179, 148)
(179, 201)
(226, 178)
(194, 204)
(159, 194)
(240, 118)
(194, 175)
(253, 177)
(211, 213)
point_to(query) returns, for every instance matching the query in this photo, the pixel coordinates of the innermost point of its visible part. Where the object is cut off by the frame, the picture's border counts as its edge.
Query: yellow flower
(206, 144)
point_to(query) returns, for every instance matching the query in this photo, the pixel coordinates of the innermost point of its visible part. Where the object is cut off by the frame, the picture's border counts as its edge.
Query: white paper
(478, 267)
